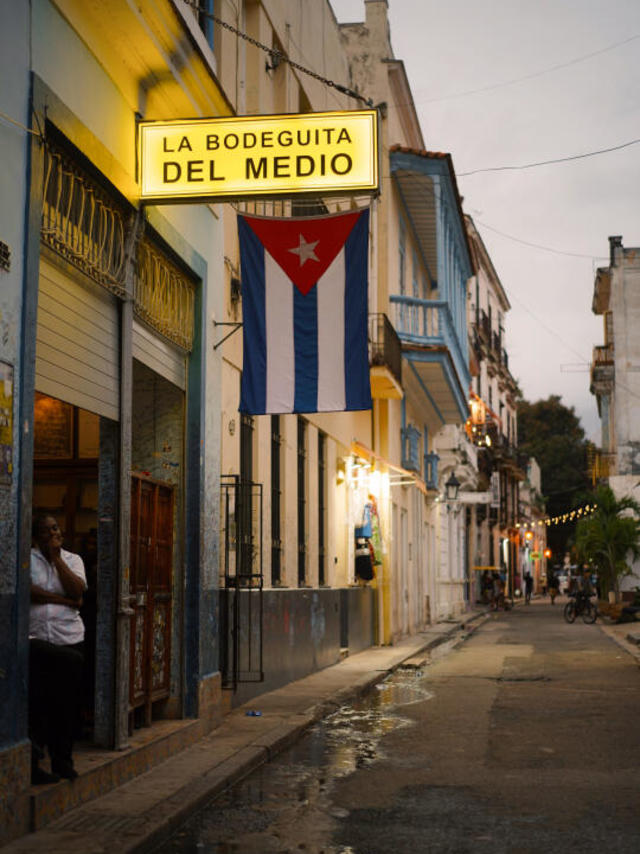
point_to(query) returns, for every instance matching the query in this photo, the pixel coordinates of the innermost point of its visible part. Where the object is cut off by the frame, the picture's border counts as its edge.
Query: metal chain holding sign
(273, 52)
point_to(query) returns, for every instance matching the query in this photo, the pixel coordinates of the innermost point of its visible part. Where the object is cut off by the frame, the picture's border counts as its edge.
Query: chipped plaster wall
(625, 303)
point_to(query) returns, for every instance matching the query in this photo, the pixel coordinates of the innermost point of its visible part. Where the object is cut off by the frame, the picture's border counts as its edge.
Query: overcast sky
(591, 102)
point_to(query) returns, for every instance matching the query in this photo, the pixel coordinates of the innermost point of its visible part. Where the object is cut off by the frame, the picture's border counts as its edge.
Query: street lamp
(451, 488)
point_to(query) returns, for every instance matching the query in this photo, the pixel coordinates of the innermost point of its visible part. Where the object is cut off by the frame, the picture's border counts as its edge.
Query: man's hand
(40, 596)
(73, 586)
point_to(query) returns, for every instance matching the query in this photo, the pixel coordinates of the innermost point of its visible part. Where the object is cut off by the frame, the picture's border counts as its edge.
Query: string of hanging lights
(562, 518)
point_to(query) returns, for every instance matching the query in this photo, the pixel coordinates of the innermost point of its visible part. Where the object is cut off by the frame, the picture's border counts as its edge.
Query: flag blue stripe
(305, 336)
(253, 394)
(356, 363)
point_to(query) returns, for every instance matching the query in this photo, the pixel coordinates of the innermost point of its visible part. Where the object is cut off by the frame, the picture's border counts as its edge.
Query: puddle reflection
(284, 803)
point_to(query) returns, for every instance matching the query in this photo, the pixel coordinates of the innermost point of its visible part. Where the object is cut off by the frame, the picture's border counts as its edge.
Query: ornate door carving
(150, 587)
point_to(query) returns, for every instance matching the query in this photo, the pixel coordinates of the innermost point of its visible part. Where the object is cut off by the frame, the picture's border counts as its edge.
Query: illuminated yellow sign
(259, 156)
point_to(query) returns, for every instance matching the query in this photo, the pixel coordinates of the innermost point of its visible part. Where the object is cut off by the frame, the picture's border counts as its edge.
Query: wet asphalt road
(524, 738)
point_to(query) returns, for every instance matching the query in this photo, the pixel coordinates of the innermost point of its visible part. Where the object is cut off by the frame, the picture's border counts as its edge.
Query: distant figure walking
(528, 588)
(553, 587)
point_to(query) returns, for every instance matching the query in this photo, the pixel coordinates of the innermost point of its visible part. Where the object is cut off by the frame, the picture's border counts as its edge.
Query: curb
(112, 826)
(628, 646)
(194, 796)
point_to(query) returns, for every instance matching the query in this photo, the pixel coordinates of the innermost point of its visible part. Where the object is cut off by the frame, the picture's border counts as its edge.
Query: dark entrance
(65, 486)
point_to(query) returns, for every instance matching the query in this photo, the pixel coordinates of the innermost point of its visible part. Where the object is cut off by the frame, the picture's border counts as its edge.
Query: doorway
(65, 486)
(150, 588)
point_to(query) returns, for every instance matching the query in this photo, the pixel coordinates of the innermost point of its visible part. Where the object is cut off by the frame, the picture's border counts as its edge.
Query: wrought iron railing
(384, 345)
(82, 223)
(163, 296)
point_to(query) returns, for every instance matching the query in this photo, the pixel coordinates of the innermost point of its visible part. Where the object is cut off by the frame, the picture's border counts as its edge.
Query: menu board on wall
(53, 429)
(6, 423)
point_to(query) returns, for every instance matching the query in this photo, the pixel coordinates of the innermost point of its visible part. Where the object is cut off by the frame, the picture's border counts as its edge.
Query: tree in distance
(551, 432)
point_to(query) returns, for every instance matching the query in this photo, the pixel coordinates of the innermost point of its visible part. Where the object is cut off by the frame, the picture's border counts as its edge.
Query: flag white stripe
(331, 379)
(279, 334)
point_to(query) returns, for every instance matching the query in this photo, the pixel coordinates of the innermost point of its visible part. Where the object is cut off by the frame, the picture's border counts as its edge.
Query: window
(402, 261)
(415, 310)
(411, 448)
(276, 541)
(204, 21)
(245, 527)
(302, 501)
(322, 500)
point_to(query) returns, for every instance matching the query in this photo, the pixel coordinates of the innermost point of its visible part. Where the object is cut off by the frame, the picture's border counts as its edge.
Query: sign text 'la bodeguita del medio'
(259, 156)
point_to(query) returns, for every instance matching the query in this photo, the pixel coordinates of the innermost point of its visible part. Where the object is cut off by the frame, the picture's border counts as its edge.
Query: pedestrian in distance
(498, 600)
(553, 587)
(528, 588)
(56, 640)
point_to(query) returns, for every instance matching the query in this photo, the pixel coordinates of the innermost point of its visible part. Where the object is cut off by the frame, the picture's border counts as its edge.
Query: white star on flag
(304, 250)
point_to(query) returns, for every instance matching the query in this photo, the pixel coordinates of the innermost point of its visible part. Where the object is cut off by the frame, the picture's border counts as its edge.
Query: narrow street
(523, 738)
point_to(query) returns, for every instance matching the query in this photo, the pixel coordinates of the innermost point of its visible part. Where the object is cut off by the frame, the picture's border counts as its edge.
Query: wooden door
(150, 587)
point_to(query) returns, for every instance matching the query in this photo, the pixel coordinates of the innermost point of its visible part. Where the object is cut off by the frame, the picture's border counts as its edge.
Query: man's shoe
(39, 776)
(65, 769)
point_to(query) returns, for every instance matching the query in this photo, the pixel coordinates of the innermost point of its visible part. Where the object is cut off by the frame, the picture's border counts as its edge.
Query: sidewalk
(143, 812)
(626, 635)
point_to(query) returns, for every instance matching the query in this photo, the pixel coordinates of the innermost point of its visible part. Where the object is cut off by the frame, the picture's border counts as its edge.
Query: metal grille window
(241, 606)
(82, 223)
(276, 541)
(322, 495)
(302, 501)
(246, 478)
(163, 296)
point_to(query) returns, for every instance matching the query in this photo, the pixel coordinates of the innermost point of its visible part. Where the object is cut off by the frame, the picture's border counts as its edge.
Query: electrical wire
(531, 76)
(5, 118)
(274, 53)
(537, 245)
(549, 162)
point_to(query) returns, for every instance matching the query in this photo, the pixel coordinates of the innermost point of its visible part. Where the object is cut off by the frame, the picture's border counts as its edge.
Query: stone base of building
(15, 783)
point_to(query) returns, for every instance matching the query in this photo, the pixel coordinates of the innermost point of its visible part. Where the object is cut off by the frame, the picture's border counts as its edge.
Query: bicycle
(580, 605)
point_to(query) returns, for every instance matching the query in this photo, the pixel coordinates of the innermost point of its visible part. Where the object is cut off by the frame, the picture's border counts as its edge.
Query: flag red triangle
(304, 248)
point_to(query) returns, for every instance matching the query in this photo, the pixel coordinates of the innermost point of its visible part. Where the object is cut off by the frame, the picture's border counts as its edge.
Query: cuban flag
(304, 307)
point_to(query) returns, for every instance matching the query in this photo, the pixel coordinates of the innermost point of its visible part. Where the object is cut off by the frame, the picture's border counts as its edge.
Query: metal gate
(241, 582)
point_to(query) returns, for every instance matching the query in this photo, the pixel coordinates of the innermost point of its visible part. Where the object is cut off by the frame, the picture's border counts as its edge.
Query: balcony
(433, 332)
(385, 359)
(602, 370)
(436, 354)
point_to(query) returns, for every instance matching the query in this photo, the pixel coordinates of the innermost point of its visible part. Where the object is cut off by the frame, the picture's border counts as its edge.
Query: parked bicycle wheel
(570, 611)
(589, 613)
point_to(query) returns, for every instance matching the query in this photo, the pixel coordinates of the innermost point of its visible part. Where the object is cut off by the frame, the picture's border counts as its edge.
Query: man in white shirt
(56, 635)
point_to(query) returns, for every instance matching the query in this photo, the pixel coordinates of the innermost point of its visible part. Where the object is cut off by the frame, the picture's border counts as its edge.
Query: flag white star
(304, 251)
